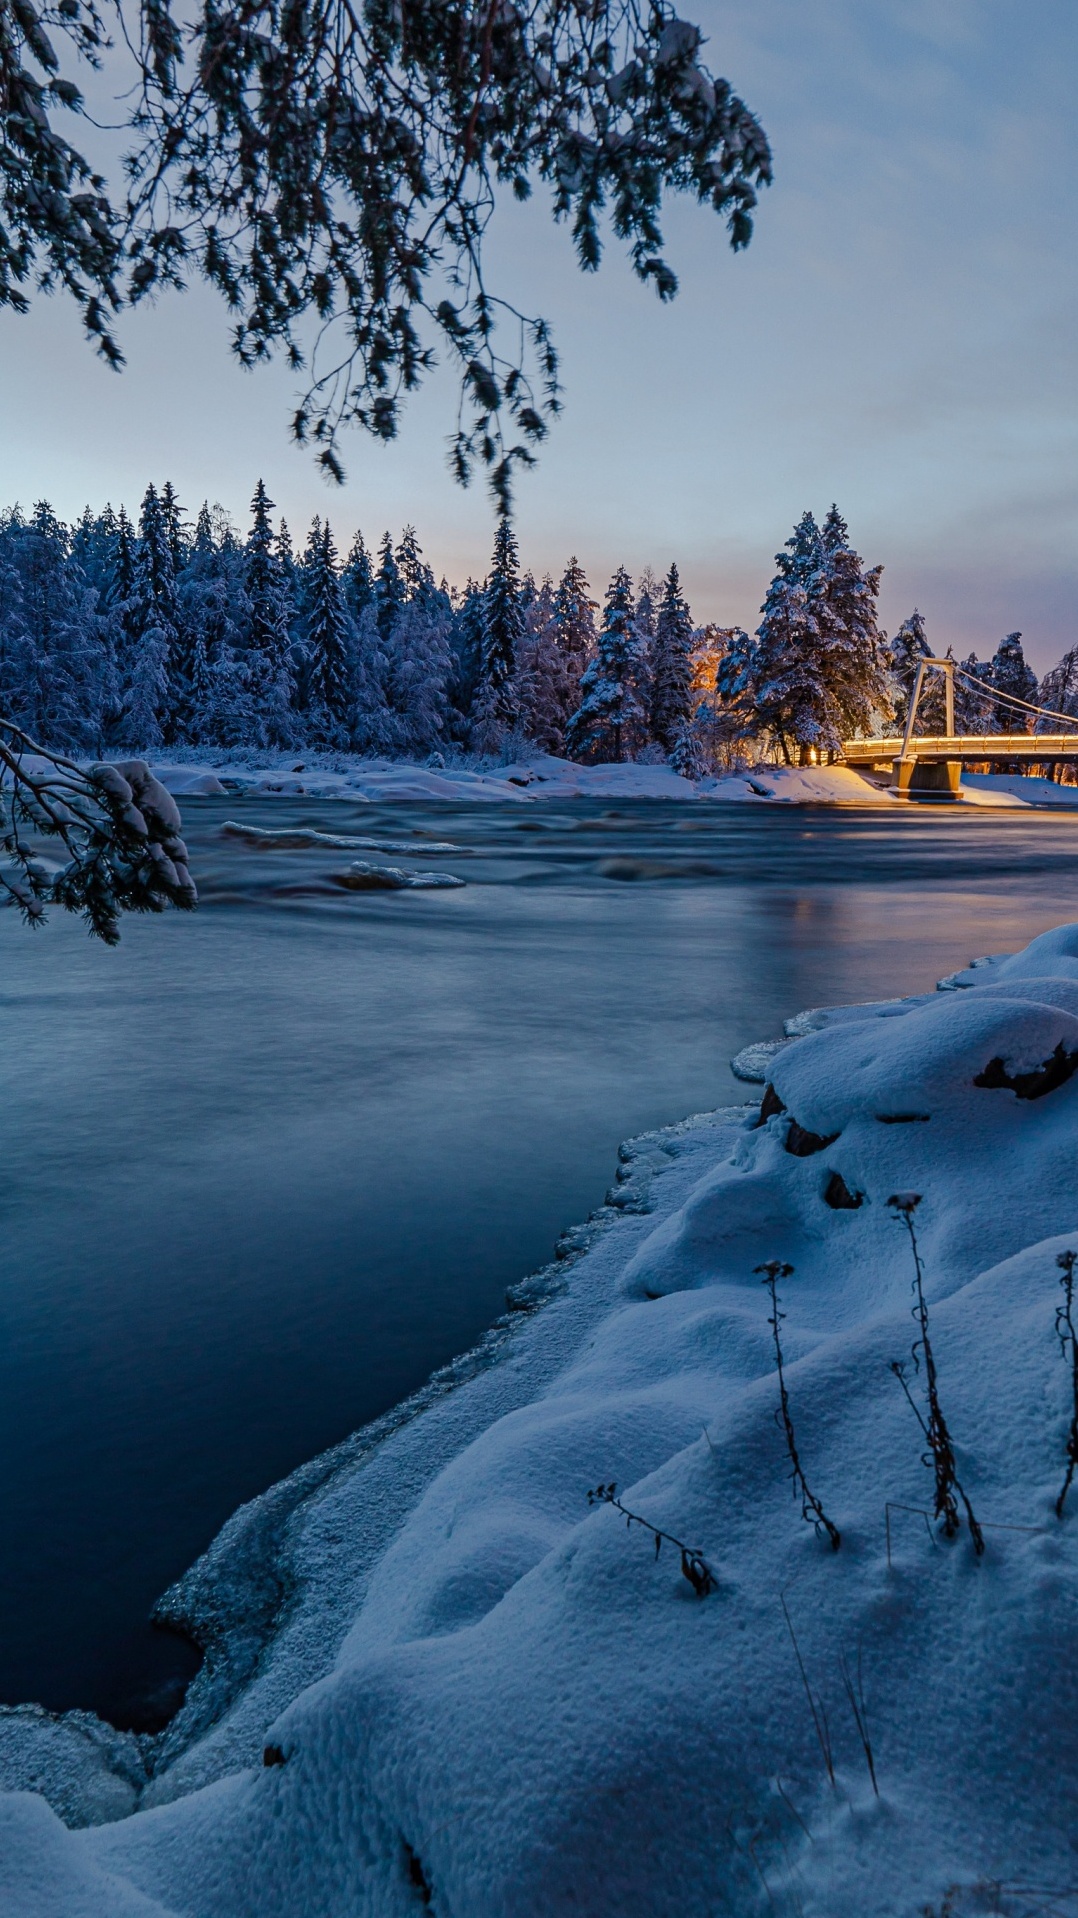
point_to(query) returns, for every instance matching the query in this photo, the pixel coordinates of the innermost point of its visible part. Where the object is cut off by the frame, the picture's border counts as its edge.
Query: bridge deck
(965, 746)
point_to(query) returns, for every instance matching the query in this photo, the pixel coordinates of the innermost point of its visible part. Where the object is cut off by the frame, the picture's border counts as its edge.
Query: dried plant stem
(855, 1692)
(1068, 1340)
(694, 1565)
(811, 1509)
(941, 1450)
(815, 1705)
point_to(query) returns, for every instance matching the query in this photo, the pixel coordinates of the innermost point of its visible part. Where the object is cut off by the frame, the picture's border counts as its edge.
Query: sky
(900, 338)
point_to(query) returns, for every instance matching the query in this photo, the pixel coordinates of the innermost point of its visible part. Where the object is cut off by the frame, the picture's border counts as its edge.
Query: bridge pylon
(938, 779)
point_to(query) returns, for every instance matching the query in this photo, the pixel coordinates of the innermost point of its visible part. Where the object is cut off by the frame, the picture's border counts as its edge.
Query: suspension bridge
(930, 764)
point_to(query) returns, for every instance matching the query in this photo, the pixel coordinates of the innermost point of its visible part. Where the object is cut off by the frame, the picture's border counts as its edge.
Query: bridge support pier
(936, 781)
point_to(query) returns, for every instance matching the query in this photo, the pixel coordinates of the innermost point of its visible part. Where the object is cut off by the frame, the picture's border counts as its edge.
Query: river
(265, 1167)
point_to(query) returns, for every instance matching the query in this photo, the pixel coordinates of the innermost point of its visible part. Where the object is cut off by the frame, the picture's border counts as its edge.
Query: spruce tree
(418, 673)
(672, 703)
(498, 708)
(269, 643)
(973, 704)
(1010, 675)
(574, 619)
(330, 644)
(610, 720)
(466, 643)
(546, 690)
(389, 592)
(416, 576)
(855, 658)
(907, 649)
(791, 697)
(1059, 689)
(357, 578)
(150, 619)
(175, 527)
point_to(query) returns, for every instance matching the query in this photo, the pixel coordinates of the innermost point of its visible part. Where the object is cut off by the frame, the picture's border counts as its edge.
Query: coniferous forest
(186, 632)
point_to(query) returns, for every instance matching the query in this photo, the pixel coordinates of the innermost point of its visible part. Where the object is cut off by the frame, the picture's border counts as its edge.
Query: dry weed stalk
(815, 1704)
(940, 1448)
(694, 1565)
(1068, 1340)
(811, 1509)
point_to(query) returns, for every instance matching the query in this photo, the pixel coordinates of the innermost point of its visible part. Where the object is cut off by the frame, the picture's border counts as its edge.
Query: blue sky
(900, 337)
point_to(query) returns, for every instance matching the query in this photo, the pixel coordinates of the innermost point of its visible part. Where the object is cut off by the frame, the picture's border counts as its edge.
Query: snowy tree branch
(117, 827)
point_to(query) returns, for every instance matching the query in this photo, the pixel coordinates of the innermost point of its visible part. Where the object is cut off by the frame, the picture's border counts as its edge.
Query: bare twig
(815, 1704)
(855, 1692)
(1068, 1341)
(694, 1565)
(940, 1448)
(811, 1509)
(893, 1505)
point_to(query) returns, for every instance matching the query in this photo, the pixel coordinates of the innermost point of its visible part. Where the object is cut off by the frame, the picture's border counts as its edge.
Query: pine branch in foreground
(118, 827)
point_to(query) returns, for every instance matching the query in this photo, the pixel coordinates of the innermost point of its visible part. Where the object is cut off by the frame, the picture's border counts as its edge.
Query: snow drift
(439, 1679)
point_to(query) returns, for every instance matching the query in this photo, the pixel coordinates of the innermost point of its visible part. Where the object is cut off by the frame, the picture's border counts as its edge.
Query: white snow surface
(546, 777)
(491, 1700)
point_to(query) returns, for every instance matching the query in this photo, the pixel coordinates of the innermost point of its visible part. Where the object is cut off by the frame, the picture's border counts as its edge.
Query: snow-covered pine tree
(150, 619)
(330, 644)
(63, 659)
(1059, 688)
(791, 696)
(420, 666)
(1011, 676)
(357, 578)
(175, 526)
(972, 705)
(497, 706)
(269, 641)
(907, 649)
(855, 659)
(546, 692)
(672, 703)
(389, 591)
(609, 721)
(574, 619)
(466, 643)
(416, 576)
(645, 618)
(217, 707)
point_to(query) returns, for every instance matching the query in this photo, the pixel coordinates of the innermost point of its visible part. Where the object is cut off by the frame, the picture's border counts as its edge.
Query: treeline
(116, 636)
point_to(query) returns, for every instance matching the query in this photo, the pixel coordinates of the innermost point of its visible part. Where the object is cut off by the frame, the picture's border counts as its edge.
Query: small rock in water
(359, 877)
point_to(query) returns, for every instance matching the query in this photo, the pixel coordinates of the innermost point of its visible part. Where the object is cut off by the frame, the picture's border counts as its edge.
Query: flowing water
(265, 1167)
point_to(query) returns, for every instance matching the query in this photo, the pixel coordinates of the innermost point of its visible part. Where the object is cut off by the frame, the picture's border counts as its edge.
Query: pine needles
(811, 1509)
(940, 1454)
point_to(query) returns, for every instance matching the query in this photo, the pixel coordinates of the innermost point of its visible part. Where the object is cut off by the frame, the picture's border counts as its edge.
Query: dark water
(264, 1168)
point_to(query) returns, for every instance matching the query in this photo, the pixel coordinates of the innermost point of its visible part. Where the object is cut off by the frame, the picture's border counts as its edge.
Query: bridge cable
(1012, 699)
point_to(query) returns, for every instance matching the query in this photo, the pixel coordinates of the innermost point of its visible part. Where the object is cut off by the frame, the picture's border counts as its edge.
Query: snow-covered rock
(457, 1685)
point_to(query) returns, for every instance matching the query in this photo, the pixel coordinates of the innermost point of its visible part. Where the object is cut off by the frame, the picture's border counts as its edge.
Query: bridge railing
(965, 745)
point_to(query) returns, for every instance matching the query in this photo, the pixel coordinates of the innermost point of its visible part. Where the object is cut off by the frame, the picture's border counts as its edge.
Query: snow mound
(801, 786)
(479, 1694)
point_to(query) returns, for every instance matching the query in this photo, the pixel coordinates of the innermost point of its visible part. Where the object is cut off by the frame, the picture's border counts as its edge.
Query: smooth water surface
(265, 1167)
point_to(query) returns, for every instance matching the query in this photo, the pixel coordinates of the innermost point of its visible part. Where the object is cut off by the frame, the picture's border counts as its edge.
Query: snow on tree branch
(116, 828)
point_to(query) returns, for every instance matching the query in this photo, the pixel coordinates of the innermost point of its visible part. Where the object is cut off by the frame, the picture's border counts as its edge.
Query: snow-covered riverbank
(542, 777)
(438, 1678)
